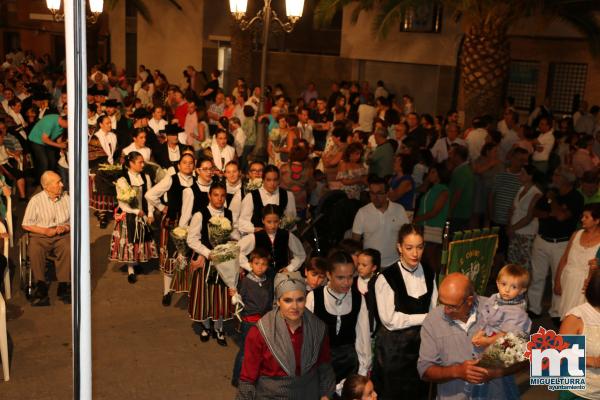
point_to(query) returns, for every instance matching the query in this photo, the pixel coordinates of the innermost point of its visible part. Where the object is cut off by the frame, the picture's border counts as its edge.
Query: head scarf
(288, 282)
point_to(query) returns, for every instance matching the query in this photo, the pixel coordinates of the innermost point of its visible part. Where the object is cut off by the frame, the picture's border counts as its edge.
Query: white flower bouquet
(179, 238)
(505, 352)
(253, 184)
(110, 167)
(225, 259)
(288, 222)
(125, 192)
(219, 230)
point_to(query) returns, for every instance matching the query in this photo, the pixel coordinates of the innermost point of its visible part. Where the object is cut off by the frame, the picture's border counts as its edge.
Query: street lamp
(96, 7)
(293, 10)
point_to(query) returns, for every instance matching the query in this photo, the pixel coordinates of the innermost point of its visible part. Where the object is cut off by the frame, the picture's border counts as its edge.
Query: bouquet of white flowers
(219, 230)
(505, 352)
(179, 237)
(288, 222)
(253, 184)
(225, 259)
(125, 192)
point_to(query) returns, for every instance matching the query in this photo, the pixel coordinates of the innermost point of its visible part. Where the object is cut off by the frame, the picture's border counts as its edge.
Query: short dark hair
(249, 111)
(271, 168)
(375, 256)
(259, 252)
(350, 246)
(317, 264)
(461, 151)
(217, 185)
(594, 209)
(376, 180)
(354, 387)
(271, 209)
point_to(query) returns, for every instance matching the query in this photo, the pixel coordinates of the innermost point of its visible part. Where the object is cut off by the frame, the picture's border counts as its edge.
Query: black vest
(347, 334)
(279, 249)
(370, 300)
(144, 187)
(258, 206)
(200, 198)
(402, 301)
(175, 198)
(206, 216)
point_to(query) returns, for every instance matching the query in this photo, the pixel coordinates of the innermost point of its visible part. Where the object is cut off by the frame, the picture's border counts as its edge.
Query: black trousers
(44, 157)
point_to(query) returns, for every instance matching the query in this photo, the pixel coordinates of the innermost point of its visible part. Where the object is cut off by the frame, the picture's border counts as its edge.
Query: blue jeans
(239, 358)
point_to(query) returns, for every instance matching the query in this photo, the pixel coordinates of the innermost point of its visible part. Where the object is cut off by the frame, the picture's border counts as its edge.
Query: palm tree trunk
(484, 69)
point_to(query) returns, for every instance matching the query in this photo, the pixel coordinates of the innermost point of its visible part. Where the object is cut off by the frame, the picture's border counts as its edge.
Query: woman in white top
(575, 263)
(132, 240)
(139, 145)
(523, 226)
(101, 150)
(222, 153)
(585, 320)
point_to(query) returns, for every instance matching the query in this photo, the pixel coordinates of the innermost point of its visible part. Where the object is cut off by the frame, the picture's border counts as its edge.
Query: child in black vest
(369, 262)
(285, 248)
(344, 311)
(257, 294)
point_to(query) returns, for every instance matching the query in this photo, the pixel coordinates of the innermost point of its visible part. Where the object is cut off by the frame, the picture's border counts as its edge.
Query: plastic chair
(7, 243)
(4, 340)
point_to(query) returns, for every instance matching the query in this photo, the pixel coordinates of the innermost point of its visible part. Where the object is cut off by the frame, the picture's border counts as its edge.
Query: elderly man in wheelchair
(47, 219)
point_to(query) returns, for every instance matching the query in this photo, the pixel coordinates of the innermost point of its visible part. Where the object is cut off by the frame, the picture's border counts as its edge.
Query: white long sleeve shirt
(415, 287)
(363, 335)
(137, 180)
(236, 201)
(187, 204)
(194, 237)
(247, 209)
(154, 195)
(248, 243)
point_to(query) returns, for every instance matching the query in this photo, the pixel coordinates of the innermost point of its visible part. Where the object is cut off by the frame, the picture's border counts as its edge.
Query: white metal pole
(75, 35)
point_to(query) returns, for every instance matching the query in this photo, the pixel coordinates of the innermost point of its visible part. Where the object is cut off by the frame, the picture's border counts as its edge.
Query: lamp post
(293, 10)
(96, 7)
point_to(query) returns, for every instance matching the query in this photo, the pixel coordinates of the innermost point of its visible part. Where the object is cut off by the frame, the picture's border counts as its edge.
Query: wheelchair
(25, 274)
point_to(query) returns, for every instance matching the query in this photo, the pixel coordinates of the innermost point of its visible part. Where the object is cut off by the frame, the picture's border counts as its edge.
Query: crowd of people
(366, 319)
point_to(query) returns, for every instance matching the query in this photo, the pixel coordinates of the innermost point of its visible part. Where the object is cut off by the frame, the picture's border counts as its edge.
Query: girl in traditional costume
(171, 187)
(285, 248)
(209, 298)
(101, 147)
(132, 241)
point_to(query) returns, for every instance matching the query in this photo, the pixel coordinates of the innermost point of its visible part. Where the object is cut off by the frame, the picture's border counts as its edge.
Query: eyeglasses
(456, 307)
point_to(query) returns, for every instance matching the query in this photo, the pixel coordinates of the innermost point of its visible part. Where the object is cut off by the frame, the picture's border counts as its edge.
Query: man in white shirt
(378, 222)
(545, 143)
(439, 151)
(239, 136)
(381, 91)
(305, 128)
(507, 127)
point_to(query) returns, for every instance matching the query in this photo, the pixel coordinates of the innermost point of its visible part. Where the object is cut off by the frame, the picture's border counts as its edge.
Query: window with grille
(566, 85)
(522, 82)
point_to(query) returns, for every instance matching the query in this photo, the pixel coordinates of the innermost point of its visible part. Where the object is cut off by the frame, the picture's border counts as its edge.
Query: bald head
(456, 294)
(457, 284)
(48, 178)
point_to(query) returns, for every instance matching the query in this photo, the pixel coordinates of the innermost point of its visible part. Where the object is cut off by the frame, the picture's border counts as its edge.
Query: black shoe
(221, 339)
(204, 336)
(40, 302)
(66, 293)
(41, 290)
(166, 301)
(131, 278)
(103, 223)
(61, 289)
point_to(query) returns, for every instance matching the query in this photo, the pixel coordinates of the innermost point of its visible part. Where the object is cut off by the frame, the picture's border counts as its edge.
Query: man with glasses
(447, 355)
(47, 219)
(378, 222)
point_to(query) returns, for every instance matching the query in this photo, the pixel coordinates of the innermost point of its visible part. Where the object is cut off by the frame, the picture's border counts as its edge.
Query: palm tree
(485, 53)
